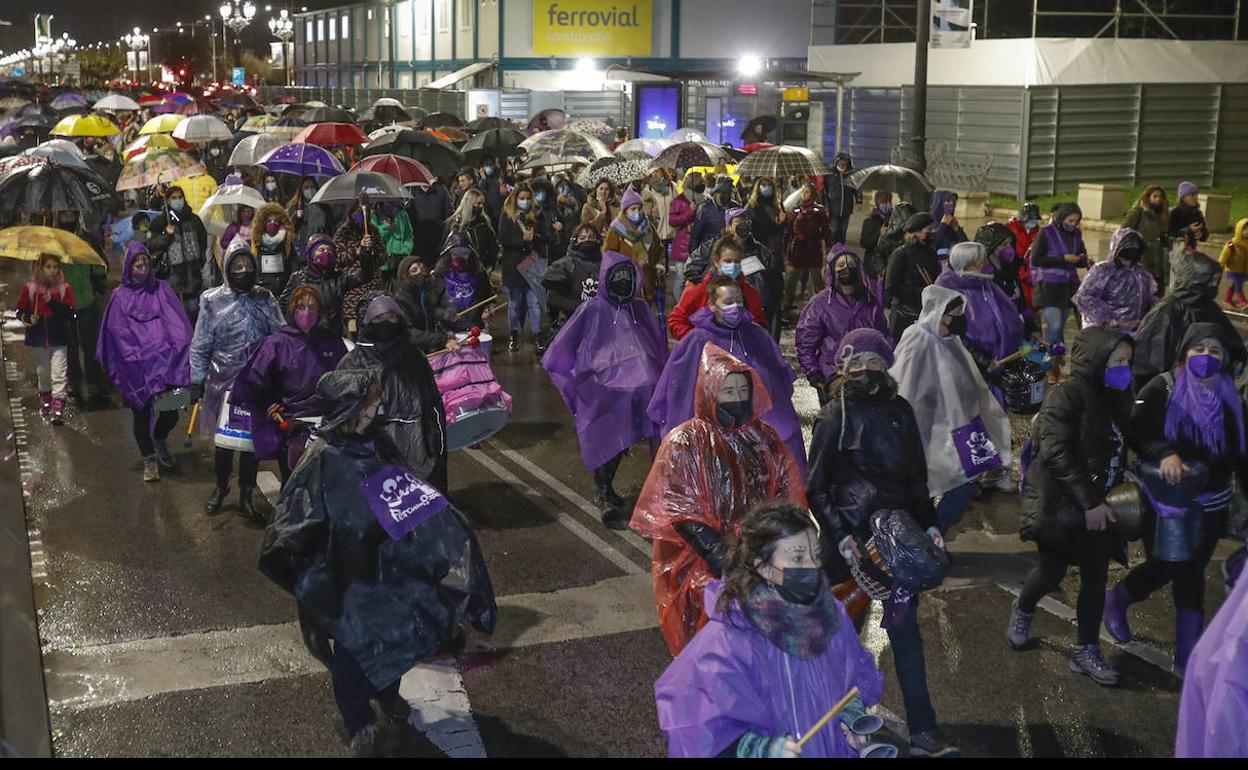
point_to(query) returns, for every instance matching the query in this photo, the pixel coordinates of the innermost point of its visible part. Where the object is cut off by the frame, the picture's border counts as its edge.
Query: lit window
(465, 14)
(444, 15)
(320, 29)
(370, 14)
(307, 36)
(345, 33)
(333, 28)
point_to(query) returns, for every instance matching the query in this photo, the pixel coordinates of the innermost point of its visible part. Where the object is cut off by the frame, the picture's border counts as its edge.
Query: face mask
(306, 318)
(661, 186)
(590, 250)
(699, 188)
(957, 325)
(723, 199)
(1068, 227)
(322, 259)
(886, 209)
(801, 584)
(988, 268)
(743, 230)
(270, 186)
(766, 191)
(730, 269)
(731, 316)
(636, 217)
(524, 204)
(140, 235)
(870, 379)
(1032, 224)
(1118, 377)
(1007, 255)
(215, 151)
(1204, 366)
(734, 414)
(139, 274)
(242, 281)
(459, 263)
(621, 288)
(846, 276)
(245, 217)
(272, 228)
(382, 332)
(540, 197)
(950, 207)
(48, 280)
(308, 192)
(176, 204)
(489, 170)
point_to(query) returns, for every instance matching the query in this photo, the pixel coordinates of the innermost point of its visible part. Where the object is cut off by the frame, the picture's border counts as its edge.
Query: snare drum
(467, 427)
(487, 341)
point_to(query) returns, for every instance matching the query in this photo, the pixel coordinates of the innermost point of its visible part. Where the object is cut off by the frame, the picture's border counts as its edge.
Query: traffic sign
(239, 76)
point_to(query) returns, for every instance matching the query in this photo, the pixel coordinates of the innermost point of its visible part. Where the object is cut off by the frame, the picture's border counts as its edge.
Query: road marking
(571, 524)
(573, 497)
(440, 708)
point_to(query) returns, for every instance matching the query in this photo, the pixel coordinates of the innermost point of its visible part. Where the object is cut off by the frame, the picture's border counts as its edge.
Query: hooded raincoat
(605, 363)
(964, 430)
(1214, 706)
(145, 338)
(1234, 257)
(731, 679)
(994, 328)
(944, 237)
(707, 474)
(831, 314)
(1116, 290)
(675, 395)
(274, 252)
(231, 325)
(390, 602)
(332, 284)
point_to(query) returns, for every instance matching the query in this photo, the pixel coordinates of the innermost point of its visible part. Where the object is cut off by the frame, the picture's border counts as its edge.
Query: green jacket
(84, 280)
(397, 235)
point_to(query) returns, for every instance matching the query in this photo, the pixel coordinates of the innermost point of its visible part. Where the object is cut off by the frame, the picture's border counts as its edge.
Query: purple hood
(831, 314)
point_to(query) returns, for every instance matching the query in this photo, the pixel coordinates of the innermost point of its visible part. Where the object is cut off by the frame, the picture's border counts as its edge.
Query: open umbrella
(485, 124)
(552, 161)
(326, 134)
(450, 134)
(498, 142)
(41, 123)
(177, 97)
(404, 170)
(57, 153)
(386, 110)
(897, 179)
(257, 122)
(390, 129)
(769, 123)
(237, 101)
(327, 115)
(618, 170)
(156, 166)
(13, 103)
(592, 127)
(201, 129)
(197, 107)
(250, 150)
(68, 100)
(28, 242)
(85, 125)
(548, 120)
(197, 188)
(688, 154)
(45, 185)
(63, 145)
(562, 143)
(116, 102)
(15, 161)
(162, 124)
(301, 160)
(642, 148)
(349, 186)
(687, 135)
(441, 119)
(153, 142)
(219, 209)
(782, 161)
(438, 156)
(287, 127)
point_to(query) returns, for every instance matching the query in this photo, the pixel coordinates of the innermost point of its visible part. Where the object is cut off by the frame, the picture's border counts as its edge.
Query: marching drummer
(867, 455)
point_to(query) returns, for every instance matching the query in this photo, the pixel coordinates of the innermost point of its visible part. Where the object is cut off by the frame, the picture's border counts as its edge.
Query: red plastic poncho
(711, 475)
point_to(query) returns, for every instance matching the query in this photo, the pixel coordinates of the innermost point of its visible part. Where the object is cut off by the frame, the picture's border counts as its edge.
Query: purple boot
(1116, 603)
(1187, 628)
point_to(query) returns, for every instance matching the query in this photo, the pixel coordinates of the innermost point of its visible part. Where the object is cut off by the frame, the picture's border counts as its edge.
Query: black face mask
(957, 325)
(723, 199)
(870, 380)
(591, 250)
(847, 277)
(699, 188)
(242, 281)
(1129, 256)
(620, 289)
(734, 414)
(382, 332)
(801, 584)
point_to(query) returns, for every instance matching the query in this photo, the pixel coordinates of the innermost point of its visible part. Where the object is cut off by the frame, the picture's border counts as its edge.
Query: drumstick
(842, 703)
(191, 428)
(1008, 359)
(467, 310)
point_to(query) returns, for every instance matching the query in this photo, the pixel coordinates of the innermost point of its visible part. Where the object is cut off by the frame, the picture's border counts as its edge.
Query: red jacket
(1022, 250)
(694, 299)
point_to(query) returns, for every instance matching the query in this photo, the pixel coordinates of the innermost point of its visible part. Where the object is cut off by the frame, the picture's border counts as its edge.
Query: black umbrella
(440, 119)
(35, 121)
(499, 142)
(485, 124)
(363, 186)
(328, 115)
(908, 183)
(47, 187)
(108, 170)
(236, 101)
(769, 123)
(438, 156)
(73, 109)
(384, 114)
(37, 108)
(290, 120)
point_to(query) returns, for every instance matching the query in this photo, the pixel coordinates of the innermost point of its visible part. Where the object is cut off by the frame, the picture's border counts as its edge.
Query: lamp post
(138, 42)
(283, 28)
(237, 16)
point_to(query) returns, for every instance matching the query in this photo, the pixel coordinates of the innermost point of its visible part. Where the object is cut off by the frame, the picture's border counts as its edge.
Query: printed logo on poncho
(589, 288)
(400, 501)
(975, 448)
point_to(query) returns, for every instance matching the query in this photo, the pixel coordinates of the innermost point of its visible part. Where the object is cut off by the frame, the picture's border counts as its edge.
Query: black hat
(992, 235)
(919, 221)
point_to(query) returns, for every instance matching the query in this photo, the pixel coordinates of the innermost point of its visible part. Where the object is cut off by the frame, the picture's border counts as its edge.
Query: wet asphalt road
(161, 638)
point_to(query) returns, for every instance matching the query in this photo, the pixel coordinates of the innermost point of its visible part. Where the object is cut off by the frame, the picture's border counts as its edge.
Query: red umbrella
(331, 133)
(150, 100)
(756, 146)
(404, 170)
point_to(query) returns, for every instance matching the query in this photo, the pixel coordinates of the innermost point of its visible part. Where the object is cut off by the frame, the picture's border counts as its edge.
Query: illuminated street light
(283, 28)
(749, 66)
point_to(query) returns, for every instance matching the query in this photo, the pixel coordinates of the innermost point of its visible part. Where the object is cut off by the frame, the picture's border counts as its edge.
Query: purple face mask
(1204, 366)
(988, 268)
(1118, 377)
(950, 206)
(323, 258)
(732, 316)
(1068, 227)
(358, 218)
(273, 228)
(1007, 255)
(306, 318)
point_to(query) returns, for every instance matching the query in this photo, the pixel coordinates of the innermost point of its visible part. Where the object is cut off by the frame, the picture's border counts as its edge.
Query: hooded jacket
(1078, 448)
(1190, 300)
(332, 285)
(571, 280)
(642, 246)
(1234, 258)
(891, 239)
(680, 219)
(707, 474)
(1116, 290)
(605, 363)
(275, 259)
(179, 258)
(145, 337)
(1054, 279)
(694, 298)
(425, 306)
(839, 197)
(462, 290)
(807, 236)
(831, 314)
(944, 237)
(994, 328)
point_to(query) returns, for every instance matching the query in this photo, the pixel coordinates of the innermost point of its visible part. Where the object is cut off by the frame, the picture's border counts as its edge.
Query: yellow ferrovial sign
(593, 28)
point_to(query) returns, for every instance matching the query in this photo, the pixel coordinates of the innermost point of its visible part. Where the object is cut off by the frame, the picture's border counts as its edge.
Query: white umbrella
(219, 209)
(199, 129)
(393, 128)
(117, 102)
(58, 154)
(386, 101)
(687, 135)
(251, 149)
(61, 144)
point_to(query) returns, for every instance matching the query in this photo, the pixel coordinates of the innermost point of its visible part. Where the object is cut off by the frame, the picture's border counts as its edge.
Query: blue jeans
(519, 303)
(953, 505)
(1054, 323)
(907, 647)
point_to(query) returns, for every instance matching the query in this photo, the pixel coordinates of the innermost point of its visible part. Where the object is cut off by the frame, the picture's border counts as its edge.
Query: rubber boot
(1229, 299)
(247, 510)
(1116, 603)
(611, 518)
(45, 403)
(539, 345)
(1187, 627)
(58, 411)
(608, 479)
(1240, 300)
(165, 457)
(216, 500)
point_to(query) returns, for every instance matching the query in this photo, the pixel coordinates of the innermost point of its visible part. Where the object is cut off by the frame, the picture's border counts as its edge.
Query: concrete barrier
(1102, 201)
(1217, 210)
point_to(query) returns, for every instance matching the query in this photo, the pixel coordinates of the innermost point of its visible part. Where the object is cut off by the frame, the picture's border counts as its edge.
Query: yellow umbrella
(257, 122)
(150, 142)
(27, 242)
(162, 124)
(198, 188)
(85, 125)
(729, 170)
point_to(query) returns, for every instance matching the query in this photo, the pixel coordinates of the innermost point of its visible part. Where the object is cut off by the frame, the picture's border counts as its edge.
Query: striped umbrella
(162, 124)
(781, 161)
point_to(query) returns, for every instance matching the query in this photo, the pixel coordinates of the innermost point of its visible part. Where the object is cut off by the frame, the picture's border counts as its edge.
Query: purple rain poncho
(750, 343)
(605, 362)
(145, 337)
(731, 679)
(1214, 708)
(1114, 290)
(284, 370)
(830, 315)
(993, 324)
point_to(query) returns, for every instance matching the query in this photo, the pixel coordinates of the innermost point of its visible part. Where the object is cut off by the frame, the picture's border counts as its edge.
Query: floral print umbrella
(156, 166)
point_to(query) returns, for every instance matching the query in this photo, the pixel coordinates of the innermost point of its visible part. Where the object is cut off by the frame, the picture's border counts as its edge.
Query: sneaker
(513, 342)
(45, 404)
(58, 411)
(1087, 660)
(932, 744)
(1018, 632)
(364, 743)
(151, 471)
(165, 457)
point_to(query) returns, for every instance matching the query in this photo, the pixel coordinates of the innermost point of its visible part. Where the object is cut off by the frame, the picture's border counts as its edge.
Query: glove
(706, 541)
(197, 392)
(816, 380)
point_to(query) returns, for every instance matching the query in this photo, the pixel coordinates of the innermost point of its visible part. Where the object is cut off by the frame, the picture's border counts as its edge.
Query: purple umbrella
(302, 160)
(68, 100)
(164, 108)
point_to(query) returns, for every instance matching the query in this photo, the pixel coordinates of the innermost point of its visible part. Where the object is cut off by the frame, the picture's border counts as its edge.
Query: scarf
(802, 630)
(629, 233)
(1197, 411)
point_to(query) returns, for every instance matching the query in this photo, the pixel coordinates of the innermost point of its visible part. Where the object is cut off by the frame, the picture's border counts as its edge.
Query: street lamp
(283, 28)
(138, 42)
(237, 16)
